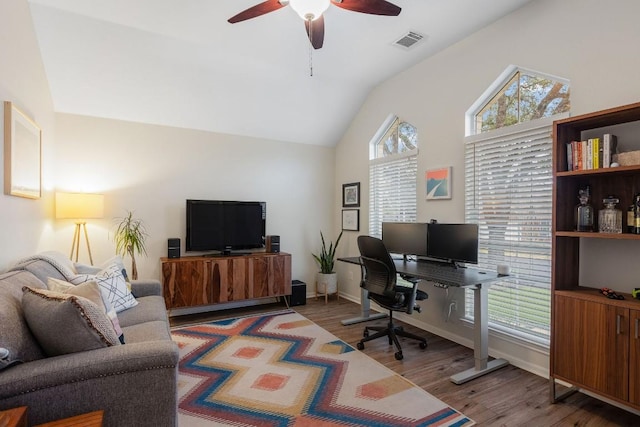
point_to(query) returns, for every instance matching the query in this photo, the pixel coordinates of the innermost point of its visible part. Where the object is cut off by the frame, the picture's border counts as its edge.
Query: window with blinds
(393, 175)
(508, 194)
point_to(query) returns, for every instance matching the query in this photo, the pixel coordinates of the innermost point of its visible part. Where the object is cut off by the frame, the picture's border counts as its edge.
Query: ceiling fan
(311, 11)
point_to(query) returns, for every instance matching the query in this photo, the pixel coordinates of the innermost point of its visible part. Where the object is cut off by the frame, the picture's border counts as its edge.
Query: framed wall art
(351, 195)
(351, 219)
(438, 183)
(22, 154)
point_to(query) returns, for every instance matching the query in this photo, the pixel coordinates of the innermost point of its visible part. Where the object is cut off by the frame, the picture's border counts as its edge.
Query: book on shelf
(595, 151)
(609, 147)
(591, 153)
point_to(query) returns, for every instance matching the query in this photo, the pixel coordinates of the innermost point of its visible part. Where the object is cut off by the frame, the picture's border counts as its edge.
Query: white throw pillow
(111, 280)
(90, 269)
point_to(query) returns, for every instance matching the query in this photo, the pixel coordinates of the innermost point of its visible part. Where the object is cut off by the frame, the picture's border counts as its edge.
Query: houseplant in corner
(327, 281)
(129, 238)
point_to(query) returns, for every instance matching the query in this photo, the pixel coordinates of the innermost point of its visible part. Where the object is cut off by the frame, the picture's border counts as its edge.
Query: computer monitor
(453, 242)
(405, 238)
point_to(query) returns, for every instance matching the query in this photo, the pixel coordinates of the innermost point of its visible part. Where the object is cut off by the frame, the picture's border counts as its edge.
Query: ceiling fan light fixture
(310, 10)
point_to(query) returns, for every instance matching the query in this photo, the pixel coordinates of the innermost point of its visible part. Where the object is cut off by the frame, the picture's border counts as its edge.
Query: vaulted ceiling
(180, 63)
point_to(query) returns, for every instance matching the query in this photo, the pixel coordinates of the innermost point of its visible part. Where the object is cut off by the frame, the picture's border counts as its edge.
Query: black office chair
(379, 278)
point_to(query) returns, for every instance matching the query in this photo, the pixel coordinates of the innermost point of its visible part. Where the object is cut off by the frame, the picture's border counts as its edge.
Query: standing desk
(477, 280)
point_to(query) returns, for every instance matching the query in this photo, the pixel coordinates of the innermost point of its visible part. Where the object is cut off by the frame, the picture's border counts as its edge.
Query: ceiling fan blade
(257, 10)
(372, 7)
(315, 31)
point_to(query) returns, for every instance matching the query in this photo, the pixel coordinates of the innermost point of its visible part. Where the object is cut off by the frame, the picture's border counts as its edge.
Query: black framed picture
(351, 195)
(351, 219)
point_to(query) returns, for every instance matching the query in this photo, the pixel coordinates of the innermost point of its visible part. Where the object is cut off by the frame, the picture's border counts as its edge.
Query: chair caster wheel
(365, 334)
(398, 355)
(360, 346)
(423, 345)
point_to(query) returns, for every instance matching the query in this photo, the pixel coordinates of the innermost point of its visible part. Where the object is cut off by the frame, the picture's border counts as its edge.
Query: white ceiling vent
(408, 40)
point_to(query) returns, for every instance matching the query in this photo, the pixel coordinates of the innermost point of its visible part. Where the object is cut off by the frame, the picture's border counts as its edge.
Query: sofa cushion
(92, 291)
(15, 334)
(150, 308)
(65, 323)
(147, 331)
(40, 268)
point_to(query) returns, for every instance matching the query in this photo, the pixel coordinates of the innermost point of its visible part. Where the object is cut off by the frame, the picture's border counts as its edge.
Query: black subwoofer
(298, 293)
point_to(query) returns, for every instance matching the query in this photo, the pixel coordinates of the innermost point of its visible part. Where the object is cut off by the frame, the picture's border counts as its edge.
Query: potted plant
(327, 281)
(129, 238)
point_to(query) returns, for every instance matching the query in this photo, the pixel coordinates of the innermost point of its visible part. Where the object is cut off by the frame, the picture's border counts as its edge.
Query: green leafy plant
(129, 238)
(327, 257)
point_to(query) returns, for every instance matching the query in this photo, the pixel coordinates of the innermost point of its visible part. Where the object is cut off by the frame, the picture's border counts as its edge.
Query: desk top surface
(444, 274)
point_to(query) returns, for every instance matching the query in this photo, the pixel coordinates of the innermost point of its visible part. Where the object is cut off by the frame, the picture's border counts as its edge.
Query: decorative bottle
(631, 218)
(584, 212)
(610, 218)
(636, 214)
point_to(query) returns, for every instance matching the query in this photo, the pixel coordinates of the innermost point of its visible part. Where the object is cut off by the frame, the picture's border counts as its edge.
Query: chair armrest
(146, 287)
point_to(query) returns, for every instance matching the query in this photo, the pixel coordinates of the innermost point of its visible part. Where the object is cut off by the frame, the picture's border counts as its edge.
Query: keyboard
(446, 274)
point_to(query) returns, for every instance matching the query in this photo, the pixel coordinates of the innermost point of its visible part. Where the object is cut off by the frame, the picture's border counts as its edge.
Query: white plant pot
(327, 283)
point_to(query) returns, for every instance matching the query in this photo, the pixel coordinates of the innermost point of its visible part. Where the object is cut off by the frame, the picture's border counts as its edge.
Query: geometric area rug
(284, 370)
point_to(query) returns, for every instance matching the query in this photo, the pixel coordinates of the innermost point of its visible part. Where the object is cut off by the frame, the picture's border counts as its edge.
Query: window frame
(403, 162)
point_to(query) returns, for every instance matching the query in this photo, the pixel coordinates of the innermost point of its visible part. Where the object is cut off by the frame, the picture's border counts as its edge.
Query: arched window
(393, 165)
(519, 96)
(508, 189)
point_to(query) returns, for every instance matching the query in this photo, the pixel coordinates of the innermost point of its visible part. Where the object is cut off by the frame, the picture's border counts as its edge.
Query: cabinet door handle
(618, 320)
(637, 324)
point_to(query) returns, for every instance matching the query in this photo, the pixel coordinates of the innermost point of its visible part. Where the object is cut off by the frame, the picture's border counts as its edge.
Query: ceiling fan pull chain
(310, 48)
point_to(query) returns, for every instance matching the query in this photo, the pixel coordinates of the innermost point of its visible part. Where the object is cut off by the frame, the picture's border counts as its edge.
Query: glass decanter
(610, 218)
(584, 211)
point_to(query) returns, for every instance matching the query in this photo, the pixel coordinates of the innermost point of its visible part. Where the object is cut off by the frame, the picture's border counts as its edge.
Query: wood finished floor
(507, 397)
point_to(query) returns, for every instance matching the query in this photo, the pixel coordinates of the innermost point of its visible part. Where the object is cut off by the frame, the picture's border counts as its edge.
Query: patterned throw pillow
(92, 291)
(63, 323)
(90, 269)
(113, 283)
(111, 280)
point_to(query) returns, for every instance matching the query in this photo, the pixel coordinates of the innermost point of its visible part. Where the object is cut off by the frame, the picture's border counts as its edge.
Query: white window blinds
(392, 181)
(508, 194)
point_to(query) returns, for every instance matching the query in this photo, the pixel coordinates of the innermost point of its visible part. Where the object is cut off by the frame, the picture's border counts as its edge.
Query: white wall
(589, 42)
(152, 170)
(24, 223)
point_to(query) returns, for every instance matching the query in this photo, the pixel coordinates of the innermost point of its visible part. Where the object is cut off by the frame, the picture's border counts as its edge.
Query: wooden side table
(16, 417)
(91, 419)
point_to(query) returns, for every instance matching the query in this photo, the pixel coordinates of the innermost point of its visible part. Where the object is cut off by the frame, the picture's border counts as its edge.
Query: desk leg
(366, 315)
(480, 340)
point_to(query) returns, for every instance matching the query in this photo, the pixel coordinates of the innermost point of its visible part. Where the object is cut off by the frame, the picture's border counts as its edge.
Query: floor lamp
(79, 206)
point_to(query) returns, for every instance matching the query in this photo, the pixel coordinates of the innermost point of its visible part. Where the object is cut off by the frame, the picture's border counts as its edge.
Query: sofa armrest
(87, 366)
(72, 384)
(146, 287)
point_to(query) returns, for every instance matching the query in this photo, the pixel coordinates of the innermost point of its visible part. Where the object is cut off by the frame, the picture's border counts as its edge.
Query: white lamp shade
(79, 205)
(310, 9)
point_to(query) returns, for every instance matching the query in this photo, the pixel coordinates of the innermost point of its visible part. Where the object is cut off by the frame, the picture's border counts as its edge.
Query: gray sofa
(135, 383)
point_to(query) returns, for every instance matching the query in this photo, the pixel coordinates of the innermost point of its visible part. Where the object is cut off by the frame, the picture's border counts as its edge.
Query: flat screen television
(225, 226)
(405, 238)
(453, 242)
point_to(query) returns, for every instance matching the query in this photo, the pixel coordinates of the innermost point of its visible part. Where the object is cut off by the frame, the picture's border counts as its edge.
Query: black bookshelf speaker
(173, 247)
(273, 244)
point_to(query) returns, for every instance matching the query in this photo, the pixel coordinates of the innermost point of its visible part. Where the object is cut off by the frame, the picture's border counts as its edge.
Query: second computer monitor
(405, 238)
